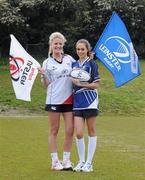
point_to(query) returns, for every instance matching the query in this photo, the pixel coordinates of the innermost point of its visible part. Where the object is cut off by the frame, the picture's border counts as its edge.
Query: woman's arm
(44, 79)
(93, 85)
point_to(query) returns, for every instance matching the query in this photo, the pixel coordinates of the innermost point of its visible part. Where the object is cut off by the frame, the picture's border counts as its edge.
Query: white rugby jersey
(60, 89)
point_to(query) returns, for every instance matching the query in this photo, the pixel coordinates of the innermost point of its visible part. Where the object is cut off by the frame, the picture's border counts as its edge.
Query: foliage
(32, 21)
(11, 22)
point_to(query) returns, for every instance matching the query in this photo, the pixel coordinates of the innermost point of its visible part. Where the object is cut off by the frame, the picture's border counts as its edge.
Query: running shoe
(79, 167)
(87, 167)
(57, 166)
(67, 165)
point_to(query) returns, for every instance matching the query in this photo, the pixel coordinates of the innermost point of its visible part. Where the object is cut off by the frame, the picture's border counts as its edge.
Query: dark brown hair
(88, 46)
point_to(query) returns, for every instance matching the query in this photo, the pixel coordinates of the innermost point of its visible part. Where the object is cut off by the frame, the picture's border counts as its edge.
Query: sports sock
(81, 149)
(92, 142)
(66, 156)
(54, 156)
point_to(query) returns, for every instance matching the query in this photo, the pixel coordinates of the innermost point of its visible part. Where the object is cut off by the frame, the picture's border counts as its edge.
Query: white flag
(23, 70)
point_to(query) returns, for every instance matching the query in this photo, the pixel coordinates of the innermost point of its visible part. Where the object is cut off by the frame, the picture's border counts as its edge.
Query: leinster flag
(116, 51)
(23, 70)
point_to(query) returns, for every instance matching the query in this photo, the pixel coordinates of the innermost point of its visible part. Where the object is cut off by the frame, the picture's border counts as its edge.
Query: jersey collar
(83, 62)
(60, 62)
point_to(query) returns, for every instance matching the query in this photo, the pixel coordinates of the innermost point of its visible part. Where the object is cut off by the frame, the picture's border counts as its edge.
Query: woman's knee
(69, 132)
(79, 134)
(92, 131)
(54, 131)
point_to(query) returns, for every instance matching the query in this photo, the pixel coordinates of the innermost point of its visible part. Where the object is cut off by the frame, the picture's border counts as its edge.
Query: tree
(11, 22)
(32, 21)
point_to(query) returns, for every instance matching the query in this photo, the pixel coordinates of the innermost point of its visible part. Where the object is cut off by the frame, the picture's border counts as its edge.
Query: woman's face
(57, 45)
(81, 50)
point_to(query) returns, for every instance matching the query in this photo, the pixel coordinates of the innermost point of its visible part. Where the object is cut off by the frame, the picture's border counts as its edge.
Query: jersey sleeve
(71, 58)
(74, 65)
(94, 71)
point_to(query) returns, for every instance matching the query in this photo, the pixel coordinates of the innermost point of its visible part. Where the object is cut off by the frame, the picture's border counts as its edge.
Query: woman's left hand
(77, 82)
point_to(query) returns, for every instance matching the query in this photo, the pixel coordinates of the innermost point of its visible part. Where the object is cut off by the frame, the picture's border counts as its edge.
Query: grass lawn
(128, 99)
(120, 151)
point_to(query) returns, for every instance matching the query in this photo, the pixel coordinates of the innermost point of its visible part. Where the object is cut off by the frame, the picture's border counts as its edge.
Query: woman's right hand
(44, 79)
(41, 71)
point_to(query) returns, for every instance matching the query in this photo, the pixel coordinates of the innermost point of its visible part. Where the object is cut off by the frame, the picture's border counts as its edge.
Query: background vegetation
(32, 21)
(120, 151)
(128, 99)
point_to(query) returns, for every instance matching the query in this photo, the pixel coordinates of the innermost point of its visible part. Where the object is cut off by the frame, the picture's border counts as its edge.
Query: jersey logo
(65, 71)
(53, 108)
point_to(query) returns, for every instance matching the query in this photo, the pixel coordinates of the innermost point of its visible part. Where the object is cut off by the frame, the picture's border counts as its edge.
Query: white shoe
(57, 166)
(79, 166)
(67, 165)
(87, 167)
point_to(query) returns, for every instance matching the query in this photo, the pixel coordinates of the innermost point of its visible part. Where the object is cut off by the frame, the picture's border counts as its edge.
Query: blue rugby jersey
(86, 98)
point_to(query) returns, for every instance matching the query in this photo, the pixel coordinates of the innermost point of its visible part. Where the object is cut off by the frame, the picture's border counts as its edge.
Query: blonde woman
(55, 76)
(85, 105)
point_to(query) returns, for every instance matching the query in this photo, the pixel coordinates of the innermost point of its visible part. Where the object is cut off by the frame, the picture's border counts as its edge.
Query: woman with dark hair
(85, 105)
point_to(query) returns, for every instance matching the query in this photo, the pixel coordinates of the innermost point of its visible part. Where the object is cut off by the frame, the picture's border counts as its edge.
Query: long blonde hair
(88, 46)
(54, 36)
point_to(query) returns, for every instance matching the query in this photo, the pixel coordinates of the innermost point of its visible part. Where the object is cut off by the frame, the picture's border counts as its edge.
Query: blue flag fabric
(116, 51)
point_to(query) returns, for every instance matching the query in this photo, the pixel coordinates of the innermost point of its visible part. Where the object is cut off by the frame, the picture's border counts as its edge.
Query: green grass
(128, 99)
(9, 101)
(120, 153)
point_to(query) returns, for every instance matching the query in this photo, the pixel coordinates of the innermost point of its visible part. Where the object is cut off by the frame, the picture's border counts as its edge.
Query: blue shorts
(86, 113)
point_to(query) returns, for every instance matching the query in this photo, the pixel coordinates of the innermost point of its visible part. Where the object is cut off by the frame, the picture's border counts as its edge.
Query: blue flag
(116, 51)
